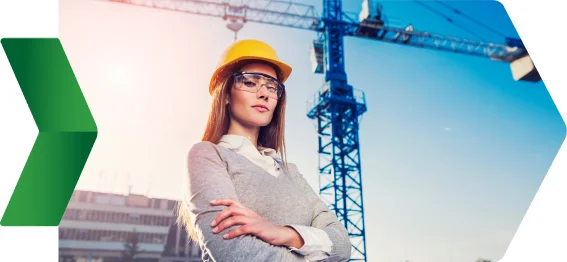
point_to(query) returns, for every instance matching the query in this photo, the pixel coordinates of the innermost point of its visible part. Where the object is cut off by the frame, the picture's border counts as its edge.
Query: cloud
(447, 129)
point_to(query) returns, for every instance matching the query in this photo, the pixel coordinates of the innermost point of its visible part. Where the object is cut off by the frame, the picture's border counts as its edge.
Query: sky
(453, 149)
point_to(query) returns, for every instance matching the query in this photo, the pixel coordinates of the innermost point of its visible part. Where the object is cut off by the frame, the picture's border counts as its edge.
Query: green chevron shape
(67, 132)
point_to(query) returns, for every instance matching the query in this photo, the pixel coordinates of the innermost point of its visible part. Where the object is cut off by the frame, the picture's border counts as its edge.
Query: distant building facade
(96, 225)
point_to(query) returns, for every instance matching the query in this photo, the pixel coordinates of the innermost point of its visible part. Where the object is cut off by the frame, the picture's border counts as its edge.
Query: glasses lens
(253, 81)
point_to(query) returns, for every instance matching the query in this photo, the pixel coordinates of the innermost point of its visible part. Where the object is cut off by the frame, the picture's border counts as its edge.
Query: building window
(171, 204)
(105, 236)
(118, 217)
(122, 236)
(83, 196)
(82, 234)
(109, 236)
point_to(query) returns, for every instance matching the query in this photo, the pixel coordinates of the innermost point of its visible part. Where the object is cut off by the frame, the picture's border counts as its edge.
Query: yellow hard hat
(247, 50)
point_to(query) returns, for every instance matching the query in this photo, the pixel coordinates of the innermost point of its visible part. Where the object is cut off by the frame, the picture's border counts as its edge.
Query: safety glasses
(253, 81)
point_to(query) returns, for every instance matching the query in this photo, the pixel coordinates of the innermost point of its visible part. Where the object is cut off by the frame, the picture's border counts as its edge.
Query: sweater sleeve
(325, 219)
(208, 180)
(317, 244)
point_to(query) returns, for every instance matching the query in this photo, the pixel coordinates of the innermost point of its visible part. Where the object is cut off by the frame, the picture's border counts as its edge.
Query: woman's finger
(242, 230)
(230, 211)
(226, 202)
(231, 221)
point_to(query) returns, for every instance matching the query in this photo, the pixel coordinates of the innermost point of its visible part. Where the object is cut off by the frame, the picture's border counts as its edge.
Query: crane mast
(336, 106)
(337, 112)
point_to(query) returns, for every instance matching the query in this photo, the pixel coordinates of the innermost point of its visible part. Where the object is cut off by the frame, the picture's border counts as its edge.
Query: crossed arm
(209, 180)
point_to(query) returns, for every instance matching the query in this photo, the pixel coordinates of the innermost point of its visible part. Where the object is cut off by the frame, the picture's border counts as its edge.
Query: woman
(244, 201)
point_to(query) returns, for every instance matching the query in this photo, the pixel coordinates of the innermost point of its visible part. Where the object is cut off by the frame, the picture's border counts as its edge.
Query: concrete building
(96, 225)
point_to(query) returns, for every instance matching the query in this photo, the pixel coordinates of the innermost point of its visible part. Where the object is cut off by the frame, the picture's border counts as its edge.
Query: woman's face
(253, 109)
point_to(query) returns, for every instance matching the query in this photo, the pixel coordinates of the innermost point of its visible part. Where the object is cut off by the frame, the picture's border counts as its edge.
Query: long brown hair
(270, 136)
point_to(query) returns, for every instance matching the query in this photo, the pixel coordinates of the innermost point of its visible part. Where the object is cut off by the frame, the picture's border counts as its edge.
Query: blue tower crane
(337, 106)
(337, 111)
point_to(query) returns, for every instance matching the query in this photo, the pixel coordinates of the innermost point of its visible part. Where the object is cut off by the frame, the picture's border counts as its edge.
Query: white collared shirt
(263, 157)
(317, 245)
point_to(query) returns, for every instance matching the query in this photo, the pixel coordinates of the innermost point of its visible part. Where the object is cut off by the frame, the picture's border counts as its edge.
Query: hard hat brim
(221, 72)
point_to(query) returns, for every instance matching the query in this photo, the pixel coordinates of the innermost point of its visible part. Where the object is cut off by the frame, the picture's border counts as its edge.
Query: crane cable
(457, 11)
(449, 19)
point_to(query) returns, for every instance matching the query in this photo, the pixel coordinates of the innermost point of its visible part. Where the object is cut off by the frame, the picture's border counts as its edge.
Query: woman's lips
(260, 108)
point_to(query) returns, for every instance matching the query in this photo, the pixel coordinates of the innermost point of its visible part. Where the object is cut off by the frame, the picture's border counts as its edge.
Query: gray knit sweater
(216, 172)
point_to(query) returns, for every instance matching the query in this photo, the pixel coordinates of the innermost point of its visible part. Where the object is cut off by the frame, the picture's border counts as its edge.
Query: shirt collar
(269, 152)
(234, 142)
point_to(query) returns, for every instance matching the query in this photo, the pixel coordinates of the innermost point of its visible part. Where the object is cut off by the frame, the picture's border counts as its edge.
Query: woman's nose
(262, 92)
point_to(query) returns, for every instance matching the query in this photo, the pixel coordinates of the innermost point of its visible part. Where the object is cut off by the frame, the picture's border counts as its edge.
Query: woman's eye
(272, 89)
(249, 83)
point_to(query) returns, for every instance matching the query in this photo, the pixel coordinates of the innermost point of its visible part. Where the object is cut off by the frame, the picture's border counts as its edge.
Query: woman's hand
(252, 223)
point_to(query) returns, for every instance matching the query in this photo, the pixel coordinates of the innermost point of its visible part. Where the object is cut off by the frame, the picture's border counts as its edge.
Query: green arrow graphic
(67, 132)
